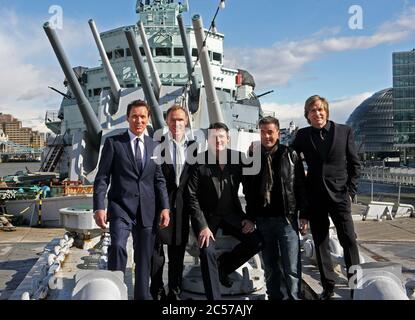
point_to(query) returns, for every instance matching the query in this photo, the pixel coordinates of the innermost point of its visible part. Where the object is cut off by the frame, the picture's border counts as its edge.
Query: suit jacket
(203, 197)
(130, 193)
(338, 172)
(177, 233)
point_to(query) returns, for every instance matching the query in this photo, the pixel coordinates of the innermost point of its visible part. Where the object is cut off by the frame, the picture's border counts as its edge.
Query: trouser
(249, 245)
(340, 214)
(143, 243)
(175, 268)
(281, 256)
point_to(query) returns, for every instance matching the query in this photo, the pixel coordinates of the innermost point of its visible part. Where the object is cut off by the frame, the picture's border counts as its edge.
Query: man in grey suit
(176, 149)
(137, 198)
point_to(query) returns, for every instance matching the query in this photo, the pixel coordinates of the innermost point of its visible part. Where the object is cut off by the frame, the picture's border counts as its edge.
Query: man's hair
(138, 103)
(219, 126)
(310, 102)
(269, 120)
(176, 107)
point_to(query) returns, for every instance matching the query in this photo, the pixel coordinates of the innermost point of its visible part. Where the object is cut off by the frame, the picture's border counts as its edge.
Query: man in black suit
(214, 203)
(176, 148)
(137, 185)
(333, 169)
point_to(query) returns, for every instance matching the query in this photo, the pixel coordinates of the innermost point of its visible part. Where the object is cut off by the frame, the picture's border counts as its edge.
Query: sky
(339, 49)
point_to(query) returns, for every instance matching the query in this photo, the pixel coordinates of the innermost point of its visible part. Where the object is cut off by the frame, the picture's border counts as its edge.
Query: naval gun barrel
(92, 124)
(157, 117)
(155, 79)
(114, 84)
(194, 87)
(215, 113)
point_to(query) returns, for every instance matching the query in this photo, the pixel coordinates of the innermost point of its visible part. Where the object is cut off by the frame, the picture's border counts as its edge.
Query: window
(217, 57)
(130, 85)
(119, 53)
(109, 55)
(142, 51)
(179, 52)
(97, 91)
(166, 52)
(194, 52)
(128, 52)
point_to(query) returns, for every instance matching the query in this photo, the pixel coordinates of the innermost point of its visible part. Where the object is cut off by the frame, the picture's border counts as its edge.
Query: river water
(10, 168)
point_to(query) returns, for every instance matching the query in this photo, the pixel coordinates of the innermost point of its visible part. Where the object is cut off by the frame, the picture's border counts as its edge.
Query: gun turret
(157, 117)
(114, 84)
(92, 124)
(155, 79)
(215, 113)
(194, 86)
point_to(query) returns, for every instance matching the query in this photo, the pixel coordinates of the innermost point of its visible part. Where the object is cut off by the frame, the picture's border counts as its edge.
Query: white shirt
(171, 146)
(142, 149)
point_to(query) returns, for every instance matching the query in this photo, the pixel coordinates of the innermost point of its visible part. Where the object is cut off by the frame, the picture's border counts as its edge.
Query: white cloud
(278, 64)
(340, 110)
(28, 65)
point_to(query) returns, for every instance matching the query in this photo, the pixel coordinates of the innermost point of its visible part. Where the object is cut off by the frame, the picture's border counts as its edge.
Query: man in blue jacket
(137, 185)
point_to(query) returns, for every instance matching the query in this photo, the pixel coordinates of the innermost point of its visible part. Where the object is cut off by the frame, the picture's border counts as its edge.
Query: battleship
(163, 62)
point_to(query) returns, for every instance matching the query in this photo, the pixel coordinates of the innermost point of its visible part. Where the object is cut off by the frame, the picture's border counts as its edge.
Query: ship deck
(381, 241)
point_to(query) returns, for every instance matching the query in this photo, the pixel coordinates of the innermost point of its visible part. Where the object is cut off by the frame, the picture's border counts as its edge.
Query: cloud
(278, 64)
(340, 109)
(28, 65)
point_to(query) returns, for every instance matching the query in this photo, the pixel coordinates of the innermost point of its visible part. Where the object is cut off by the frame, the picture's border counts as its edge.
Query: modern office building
(16, 133)
(404, 104)
(373, 126)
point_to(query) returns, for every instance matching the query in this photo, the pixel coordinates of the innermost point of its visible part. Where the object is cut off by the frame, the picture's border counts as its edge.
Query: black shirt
(323, 139)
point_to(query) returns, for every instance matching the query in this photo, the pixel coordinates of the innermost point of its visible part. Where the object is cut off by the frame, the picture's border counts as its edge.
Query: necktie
(138, 157)
(178, 153)
(322, 133)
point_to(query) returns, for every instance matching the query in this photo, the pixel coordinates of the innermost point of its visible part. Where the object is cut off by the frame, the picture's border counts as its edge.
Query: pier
(13, 152)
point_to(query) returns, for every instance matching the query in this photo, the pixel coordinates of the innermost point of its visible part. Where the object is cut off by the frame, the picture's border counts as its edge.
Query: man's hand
(247, 226)
(303, 226)
(164, 218)
(100, 217)
(204, 237)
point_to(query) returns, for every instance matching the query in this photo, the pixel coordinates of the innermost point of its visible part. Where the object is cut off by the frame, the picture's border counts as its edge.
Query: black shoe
(173, 296)
(159, 295)
(327, 294)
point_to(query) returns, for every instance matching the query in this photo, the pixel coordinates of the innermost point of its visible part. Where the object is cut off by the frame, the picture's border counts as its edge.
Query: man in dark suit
(137, 198)
(214, 203)
(333, 169)
(176, 148)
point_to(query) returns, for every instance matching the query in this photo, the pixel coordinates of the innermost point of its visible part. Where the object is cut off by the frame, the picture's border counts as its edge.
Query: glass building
(404, 104)
(373, 127)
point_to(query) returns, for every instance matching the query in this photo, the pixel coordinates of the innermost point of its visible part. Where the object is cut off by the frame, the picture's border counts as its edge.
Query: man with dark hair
(333, 169)
(137, 185)
(176, 149)
(214, 203)
(274, 198)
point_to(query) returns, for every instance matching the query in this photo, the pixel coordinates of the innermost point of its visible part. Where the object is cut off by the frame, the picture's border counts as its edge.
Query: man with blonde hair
(333, 169)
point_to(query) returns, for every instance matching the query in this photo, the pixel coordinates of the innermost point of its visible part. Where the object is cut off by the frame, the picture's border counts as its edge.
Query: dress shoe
(173, 296)
(159, 295)
(327, 294)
